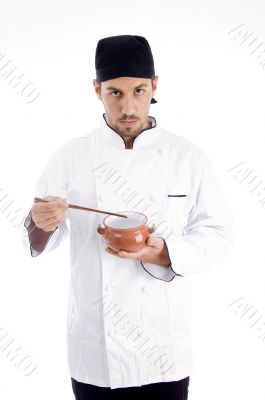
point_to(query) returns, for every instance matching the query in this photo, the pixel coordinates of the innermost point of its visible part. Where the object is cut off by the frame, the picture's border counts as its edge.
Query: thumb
(153, 241)
(65, 203)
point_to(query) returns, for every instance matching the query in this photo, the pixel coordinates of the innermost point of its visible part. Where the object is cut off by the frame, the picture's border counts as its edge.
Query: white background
(211, 91)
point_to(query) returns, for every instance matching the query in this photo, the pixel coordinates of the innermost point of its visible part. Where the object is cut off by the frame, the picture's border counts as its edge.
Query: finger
(156, 242)
(54, 198)
(50, 227)
(51, 206)
(109, 250)
(54, 202)
(46, 220)
(42, 215)
(45, 225)
(120, 253)
(133, 256)
(51, 198)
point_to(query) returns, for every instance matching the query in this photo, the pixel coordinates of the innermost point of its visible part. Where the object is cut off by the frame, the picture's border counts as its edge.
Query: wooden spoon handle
(37, 199)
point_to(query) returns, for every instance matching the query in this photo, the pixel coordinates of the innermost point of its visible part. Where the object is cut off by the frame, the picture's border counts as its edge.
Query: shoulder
(75, 146)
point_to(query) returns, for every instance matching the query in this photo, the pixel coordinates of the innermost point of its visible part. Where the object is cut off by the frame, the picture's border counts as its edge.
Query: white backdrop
(210, 59)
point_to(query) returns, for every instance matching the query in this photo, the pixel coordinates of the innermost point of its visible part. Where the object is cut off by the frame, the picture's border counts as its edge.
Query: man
(129, 313)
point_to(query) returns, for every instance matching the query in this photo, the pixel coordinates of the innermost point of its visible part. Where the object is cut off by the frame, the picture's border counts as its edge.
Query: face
(127, 101)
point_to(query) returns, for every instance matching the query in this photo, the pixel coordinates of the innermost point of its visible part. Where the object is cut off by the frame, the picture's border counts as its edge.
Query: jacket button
(109, 287)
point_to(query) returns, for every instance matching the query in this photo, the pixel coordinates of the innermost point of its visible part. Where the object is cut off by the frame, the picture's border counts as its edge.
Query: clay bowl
(128, 234)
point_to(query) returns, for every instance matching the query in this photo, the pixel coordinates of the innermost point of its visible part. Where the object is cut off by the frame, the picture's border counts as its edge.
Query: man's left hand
(154, 252)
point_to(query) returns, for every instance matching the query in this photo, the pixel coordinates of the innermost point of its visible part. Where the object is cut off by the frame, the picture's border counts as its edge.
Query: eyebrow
(136, 87)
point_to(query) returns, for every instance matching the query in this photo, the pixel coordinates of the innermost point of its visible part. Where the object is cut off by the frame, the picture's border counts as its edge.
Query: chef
(128, 326)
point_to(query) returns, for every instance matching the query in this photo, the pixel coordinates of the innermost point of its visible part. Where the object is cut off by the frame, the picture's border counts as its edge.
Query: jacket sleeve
(159, 272)
(52, 182)
(208, 234)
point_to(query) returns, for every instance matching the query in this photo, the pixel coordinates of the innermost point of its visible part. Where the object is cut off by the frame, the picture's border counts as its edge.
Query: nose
(128, 107)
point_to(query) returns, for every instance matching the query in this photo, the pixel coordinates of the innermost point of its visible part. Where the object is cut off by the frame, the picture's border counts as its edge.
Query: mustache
(128, 118)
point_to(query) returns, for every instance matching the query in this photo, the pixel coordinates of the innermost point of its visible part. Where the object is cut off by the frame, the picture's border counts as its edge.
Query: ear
(154, 84)
(97, 87)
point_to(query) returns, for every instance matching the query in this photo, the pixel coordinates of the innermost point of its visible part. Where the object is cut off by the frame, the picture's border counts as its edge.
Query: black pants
(175, 390)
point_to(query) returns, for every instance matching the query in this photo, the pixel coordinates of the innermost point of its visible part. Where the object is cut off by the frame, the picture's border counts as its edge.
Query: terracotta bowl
(128, 234)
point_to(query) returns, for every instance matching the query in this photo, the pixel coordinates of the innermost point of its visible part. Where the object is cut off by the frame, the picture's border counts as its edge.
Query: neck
(129, 140)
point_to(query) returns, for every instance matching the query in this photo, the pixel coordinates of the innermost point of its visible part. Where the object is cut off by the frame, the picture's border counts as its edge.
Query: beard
(130, 131)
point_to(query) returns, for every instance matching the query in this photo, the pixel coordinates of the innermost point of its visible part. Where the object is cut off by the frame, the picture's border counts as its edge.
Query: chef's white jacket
(129, 321)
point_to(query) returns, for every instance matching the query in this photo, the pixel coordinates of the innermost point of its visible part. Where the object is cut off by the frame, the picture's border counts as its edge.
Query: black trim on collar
(135, 136)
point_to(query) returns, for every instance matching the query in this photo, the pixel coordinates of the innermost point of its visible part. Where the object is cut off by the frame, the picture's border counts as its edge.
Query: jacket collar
(114, 139)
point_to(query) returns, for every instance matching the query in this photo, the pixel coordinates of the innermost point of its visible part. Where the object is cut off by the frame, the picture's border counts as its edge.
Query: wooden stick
(37, 199)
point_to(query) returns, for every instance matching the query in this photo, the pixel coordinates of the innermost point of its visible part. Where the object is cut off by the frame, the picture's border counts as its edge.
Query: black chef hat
(124, 55)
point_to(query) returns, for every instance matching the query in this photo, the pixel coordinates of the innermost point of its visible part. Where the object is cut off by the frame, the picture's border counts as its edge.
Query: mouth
(128, 122)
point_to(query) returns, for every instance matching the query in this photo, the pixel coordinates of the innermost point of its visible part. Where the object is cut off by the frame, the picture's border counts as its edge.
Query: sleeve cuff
(28, 244)
(159, 272)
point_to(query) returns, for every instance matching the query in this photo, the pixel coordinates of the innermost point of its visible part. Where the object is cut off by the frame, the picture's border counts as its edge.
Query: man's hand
(49, 214)
(154, 252)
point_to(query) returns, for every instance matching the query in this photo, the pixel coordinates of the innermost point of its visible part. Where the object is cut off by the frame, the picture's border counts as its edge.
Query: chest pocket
(171, 207)
(179, 196)
(177, 206)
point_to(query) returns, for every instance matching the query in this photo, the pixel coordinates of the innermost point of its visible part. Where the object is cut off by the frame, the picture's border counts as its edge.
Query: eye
(140, 89)
(114, 91)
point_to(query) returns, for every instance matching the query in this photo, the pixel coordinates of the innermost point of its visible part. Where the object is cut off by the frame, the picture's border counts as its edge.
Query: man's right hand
(49, 214)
